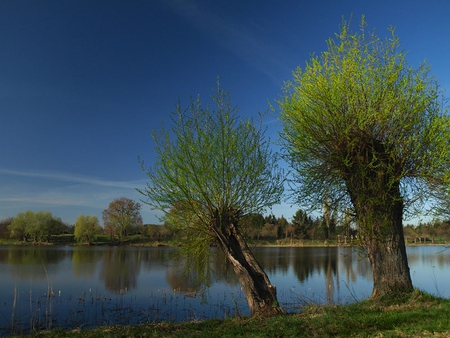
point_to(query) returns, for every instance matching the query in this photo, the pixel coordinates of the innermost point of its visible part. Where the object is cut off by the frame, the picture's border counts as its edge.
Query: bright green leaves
(87, 228)
(212, 161)
(213, 168)
(360, 107)
(35, 226)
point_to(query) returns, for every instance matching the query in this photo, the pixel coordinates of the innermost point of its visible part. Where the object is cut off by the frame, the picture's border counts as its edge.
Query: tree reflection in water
(145, 284)
(313, 266)
(120, 268)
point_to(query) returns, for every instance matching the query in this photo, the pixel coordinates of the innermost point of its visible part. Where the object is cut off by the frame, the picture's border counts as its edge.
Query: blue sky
(83, 83)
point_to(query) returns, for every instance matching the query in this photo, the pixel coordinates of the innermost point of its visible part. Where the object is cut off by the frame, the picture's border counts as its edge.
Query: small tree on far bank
(302, 224)
(20, 225)
(213, 169)
(251, 225)
(122, 216)
(87, 228)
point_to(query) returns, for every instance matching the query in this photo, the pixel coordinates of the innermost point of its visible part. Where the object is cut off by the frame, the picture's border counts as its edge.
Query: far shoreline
(169, 244)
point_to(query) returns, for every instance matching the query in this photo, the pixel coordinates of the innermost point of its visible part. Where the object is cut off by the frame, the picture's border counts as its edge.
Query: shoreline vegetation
(140, 241)
(414, 315)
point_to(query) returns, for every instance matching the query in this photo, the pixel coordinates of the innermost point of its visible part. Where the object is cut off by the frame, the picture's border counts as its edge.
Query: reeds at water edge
(32, 311)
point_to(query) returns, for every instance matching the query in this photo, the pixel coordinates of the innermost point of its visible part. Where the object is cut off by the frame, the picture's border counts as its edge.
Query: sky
(83, 83)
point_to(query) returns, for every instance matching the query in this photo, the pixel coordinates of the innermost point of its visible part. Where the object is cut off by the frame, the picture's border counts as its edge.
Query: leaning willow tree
(212, 169)
(370, 133)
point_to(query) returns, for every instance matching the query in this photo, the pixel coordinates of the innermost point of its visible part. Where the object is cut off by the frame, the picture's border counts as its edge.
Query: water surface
(88, 286)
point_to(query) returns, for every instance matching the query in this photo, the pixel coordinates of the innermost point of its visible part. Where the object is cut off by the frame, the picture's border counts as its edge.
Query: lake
(45, 287)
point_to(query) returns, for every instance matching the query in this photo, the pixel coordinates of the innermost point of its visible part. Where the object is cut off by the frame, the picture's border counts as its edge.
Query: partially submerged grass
(415, 315)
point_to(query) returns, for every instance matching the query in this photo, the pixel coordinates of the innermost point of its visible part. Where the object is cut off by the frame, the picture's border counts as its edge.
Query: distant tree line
(430, 232)
(308, 227)
(42, 226)
(121, 219)
(32, 226)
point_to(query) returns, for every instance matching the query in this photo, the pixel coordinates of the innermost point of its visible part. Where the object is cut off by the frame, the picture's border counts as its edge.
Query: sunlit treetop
(212, 162)
(359, 107)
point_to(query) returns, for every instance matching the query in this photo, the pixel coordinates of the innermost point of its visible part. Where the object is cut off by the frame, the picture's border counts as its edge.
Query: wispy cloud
(71, 178)
(247, 41)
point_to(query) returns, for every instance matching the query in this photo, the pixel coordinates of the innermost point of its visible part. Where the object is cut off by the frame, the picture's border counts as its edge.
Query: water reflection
(27, 262)
(120, 268)
(85, 261)
(319, 271)
(155, 278)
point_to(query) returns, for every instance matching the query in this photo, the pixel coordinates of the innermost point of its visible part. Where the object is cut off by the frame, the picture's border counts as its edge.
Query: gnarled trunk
(386, 248)
(373, 183)
(379, 217)
(261, 295)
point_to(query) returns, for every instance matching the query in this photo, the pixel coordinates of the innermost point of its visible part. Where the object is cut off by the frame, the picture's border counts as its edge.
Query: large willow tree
(367, 131)
(214, 168)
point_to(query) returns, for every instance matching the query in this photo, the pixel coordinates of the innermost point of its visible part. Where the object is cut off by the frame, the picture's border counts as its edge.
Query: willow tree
(367, 131)
(214, 168)
(87, 228)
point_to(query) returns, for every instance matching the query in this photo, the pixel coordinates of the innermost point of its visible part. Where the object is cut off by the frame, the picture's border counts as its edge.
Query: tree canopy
(214, 168)
(211, 163)
(122, 215)
(38, 226)
(86, 228)
(361, 94)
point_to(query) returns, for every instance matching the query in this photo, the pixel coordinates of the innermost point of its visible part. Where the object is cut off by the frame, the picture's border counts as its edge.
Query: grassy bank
(417, 315)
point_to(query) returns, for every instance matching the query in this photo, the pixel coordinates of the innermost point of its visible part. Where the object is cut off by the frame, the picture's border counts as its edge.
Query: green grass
(415, 315)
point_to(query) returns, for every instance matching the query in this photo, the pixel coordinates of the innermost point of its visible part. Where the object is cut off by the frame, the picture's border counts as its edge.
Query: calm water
(82, 287)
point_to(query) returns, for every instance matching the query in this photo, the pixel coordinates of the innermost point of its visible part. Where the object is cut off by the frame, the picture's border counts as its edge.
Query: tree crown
(211, 163)
(359, 107)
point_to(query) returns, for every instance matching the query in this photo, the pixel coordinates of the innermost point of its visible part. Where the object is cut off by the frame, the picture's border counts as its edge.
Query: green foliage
(252, 224)
(216, 162)
(211, 164)
(122, 217)
(282, 226)
(359, 116)
(302, 224)
(20, 224)
(45, 225)
(39, 226)
(157, 232)
(4, 224)
(363, 129)
(86, 228)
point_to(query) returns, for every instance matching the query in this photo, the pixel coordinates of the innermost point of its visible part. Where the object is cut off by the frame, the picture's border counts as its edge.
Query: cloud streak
(71, 178)
(248, 42)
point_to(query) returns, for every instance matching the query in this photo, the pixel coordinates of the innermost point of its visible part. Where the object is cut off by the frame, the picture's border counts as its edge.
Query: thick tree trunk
(373, 183)
(261, 295)
(380, 224)
(388, 258)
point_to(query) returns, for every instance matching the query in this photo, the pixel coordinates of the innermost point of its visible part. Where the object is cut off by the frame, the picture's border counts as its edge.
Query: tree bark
(388, 258)
(373, 183)
(261, 294)
(379, 219)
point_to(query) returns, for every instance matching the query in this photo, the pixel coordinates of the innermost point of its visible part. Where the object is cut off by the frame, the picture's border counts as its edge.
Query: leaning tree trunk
(261, 295)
